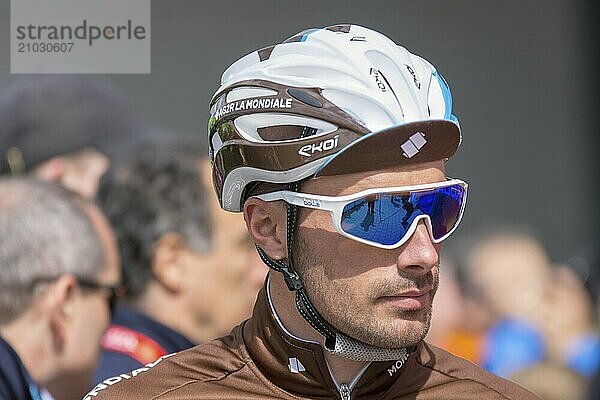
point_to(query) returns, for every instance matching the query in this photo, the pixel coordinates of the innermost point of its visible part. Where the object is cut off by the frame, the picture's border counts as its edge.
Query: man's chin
(397, 334)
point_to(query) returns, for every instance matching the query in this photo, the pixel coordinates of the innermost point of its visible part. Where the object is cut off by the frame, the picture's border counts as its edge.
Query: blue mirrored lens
(386, 217)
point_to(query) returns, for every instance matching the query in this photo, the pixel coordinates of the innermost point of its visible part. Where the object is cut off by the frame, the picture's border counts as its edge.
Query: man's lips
(411, 300)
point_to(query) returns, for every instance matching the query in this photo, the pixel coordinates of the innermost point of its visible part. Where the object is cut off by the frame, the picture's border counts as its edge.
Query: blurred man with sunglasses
(189, 269)
(309, 139)
(59, 276)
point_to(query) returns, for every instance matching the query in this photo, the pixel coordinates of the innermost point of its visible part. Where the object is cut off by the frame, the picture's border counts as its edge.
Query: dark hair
(43, 117)
(158, 190)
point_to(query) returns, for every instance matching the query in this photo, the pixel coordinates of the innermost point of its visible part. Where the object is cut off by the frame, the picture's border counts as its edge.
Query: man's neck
(165, 307)
(30, 340)
(343, 370)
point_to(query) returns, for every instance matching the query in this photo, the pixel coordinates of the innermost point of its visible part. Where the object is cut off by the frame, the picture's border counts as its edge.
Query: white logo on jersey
(395, 367)
(295, 366)
(116, 379)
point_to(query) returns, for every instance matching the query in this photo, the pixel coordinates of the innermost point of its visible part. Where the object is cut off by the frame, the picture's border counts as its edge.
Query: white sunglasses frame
(335, 205)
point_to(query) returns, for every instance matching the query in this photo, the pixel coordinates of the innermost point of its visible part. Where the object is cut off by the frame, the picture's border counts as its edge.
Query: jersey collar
(299, 366)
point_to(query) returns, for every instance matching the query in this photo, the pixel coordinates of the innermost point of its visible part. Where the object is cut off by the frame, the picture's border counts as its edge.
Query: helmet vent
(248, 93)
(285, 132)
(304, 97)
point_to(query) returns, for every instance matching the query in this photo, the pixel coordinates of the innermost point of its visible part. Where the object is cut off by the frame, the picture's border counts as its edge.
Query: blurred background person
(569, 324)
(189, 269)
(552, 381)
(457, 323)
(59, 271)
(590, 262)
(509, 272)
(511, 310)
(540, 310)
(63, 129)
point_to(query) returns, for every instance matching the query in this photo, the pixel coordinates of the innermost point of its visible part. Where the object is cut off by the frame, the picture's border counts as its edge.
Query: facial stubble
(333, 300)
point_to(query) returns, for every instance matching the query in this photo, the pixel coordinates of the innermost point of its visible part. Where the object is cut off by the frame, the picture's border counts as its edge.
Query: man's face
(91, 314)
(511, 272)
(377, 296)
(226, 280)
(79, 171)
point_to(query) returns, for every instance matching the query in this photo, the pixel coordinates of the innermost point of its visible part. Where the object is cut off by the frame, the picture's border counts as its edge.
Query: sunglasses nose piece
(427, 223)
(414, 226)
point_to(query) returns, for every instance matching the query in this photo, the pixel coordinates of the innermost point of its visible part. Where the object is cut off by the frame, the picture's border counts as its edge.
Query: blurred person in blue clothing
(541, 311)
(189, 269)
(59, 274)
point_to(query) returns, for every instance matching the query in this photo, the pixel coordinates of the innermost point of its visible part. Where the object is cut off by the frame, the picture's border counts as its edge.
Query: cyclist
(307, 139)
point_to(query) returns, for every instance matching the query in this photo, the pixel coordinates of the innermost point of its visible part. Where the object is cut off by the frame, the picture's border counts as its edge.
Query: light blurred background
(522, 75)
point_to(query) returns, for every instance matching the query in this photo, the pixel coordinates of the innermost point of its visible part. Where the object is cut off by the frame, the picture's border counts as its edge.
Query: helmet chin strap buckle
(291, 278)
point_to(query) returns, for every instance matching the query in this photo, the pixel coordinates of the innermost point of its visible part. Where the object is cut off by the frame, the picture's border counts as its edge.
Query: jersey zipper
(344, 391)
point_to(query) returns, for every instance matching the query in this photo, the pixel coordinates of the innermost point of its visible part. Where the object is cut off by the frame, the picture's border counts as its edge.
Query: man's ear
(166, 262)
(267, 223)
(52, 170)
(60, 305)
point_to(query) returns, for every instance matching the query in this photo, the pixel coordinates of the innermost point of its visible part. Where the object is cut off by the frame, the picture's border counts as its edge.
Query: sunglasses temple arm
(302, 200)
(291, 198)
(311, 201)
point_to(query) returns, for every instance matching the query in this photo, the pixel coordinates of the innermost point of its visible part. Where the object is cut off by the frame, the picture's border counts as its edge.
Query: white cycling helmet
(326, 101)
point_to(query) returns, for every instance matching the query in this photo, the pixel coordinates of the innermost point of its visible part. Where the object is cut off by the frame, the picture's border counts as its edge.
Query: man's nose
(418, 255)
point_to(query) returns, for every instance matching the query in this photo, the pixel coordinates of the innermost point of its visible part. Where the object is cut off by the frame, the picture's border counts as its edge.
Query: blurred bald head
(510, 269)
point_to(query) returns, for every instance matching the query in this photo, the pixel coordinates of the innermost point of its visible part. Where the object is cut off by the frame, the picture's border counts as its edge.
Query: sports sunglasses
(387, 217)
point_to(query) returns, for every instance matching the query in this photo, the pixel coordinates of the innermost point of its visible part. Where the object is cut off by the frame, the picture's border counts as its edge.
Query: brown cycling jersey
(260, 360)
